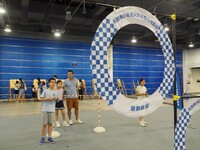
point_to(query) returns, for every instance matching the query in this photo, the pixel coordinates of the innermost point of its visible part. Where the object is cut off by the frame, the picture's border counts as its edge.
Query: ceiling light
(189, 18)
(57, 32)
(68, 15)
(191, 45)
(166, 27)
(2, 10)
(134, 40)
(7, 29)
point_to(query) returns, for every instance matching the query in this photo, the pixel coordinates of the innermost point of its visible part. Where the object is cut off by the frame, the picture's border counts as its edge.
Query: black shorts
(80, 92)
(34, 95)
(16, 91)
(60, 105)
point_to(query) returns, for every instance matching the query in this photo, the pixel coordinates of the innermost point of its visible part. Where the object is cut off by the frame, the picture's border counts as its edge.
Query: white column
(186, 71)
(110, 61)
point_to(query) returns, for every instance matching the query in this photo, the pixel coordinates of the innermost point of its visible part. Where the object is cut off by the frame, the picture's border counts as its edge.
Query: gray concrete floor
(20, 125)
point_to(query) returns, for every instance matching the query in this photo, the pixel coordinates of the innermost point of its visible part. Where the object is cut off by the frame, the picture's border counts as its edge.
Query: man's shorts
(72, 103)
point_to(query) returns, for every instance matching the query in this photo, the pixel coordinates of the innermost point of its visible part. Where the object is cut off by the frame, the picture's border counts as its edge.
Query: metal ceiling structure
(40, 17)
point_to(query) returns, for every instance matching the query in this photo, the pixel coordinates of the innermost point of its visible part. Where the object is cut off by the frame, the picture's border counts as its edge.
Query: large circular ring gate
(105, 87)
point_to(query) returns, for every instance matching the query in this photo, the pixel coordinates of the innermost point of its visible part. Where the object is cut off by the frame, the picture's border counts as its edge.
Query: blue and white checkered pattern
(180, 131)
(98, 58)
(169, 70)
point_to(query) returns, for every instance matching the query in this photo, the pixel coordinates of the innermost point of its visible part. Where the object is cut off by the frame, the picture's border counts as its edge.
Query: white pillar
(110, 61)
(186, 72)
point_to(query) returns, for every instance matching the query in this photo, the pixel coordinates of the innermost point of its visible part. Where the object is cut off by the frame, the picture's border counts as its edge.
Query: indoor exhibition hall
(99, 74)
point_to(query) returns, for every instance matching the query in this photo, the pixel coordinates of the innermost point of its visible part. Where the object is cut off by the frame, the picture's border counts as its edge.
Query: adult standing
(39, 88)
(55, 77)
(43, 86)
(21, 89)
(71, 84)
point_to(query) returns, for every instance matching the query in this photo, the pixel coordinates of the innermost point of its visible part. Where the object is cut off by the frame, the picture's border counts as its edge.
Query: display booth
(35, 82)
(12, 88)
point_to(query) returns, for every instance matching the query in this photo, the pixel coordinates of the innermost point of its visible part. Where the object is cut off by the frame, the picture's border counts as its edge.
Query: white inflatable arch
(101, 41)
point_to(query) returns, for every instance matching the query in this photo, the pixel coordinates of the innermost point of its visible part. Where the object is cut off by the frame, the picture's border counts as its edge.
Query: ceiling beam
(48, 12)
(98, 10)
(24, 11)
(2, 23)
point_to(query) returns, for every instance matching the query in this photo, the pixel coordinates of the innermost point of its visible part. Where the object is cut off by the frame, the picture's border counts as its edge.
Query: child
(60, 105)
(49, 98)
(34, 92)
(81, 89)
(141, 92)
(17, 86)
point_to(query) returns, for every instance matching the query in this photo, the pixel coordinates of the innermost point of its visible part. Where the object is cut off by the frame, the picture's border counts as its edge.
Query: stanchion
(173, 17)
(99, 129)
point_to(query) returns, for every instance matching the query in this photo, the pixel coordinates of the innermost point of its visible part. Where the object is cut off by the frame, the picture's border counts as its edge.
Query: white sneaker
(142, 124)
(145, 122)
(79, 121)
(57, 124)
(70, 122)
(65, 124)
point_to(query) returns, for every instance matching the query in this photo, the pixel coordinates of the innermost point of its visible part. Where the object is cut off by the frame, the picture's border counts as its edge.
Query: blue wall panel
(133, 63)
(31, 58)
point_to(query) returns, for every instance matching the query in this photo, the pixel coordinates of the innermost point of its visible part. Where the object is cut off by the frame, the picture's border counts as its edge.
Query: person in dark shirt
(81, 89)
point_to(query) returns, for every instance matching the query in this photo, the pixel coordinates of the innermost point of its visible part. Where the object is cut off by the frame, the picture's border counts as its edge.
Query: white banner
(99, 63)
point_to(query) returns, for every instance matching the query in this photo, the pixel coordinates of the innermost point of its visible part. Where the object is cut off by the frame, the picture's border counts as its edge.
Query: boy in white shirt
(48, 97)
